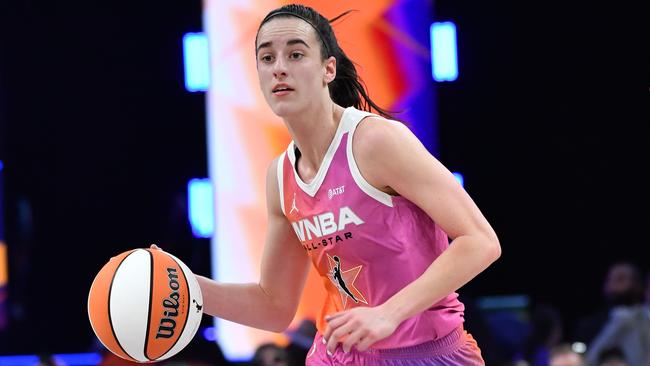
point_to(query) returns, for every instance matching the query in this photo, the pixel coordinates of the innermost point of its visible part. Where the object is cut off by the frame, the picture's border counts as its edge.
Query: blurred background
(546, 121)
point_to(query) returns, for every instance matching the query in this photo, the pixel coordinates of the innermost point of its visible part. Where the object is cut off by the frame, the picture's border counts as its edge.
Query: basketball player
(361, 198)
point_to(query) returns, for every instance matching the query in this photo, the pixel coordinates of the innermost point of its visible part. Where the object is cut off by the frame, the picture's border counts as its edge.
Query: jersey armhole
(280, 172)
(361, 182)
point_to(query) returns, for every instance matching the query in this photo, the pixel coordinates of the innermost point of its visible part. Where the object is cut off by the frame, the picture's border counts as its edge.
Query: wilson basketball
(145, 305)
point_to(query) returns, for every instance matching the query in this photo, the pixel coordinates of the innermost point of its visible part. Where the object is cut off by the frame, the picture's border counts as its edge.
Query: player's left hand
(359, 327)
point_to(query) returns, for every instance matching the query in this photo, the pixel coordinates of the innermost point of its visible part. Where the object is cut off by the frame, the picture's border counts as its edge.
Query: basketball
(145, 305)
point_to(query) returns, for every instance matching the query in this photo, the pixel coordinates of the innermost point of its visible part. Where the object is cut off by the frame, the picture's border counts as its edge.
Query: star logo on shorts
(344, 280)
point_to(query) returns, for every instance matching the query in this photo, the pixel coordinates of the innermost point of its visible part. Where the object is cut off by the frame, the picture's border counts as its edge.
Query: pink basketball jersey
(365, 244)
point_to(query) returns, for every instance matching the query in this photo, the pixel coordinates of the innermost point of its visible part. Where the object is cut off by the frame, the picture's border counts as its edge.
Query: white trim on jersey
(362, 183)
(315, 184)
(280, 172)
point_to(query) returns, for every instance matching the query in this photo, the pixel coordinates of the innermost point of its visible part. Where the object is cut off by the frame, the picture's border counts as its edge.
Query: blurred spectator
(623, 286)
(108, 358)
(612, 357)
(300, 342)
(199, 352)
(477, 322)
(564, 355)
(628, 328)
(270, 354)
(46, 359)
(545, 332)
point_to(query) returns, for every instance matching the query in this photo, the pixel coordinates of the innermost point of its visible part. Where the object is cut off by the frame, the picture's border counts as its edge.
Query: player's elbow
(492, 248)
(280, 322)
(281, 316)
(277, 309)
(280, 328)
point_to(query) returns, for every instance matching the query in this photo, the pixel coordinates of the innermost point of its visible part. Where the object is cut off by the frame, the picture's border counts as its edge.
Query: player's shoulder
(274, 189)
(375, 134)
(272, 168)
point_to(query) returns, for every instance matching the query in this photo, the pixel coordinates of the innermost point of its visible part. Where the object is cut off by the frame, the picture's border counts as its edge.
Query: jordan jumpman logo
(293, 204)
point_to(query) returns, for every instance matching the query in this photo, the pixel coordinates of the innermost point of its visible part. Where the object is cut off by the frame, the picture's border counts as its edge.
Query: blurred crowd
(618, 334)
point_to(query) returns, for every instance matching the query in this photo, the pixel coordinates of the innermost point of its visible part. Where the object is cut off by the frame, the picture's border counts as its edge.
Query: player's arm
(391, 158)
(272, 303)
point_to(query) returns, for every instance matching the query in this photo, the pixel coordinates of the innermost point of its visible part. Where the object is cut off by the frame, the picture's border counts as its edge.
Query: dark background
(99, 139)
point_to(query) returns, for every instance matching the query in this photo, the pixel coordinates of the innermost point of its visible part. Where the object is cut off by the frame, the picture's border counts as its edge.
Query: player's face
(289, 65)
(620, 279)
(567, 359)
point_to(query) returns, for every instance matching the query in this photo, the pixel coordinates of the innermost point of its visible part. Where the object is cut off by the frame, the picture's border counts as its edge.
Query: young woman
(360, 197)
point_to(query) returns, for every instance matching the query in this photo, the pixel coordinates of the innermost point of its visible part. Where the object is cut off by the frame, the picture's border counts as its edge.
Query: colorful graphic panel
(389, 42)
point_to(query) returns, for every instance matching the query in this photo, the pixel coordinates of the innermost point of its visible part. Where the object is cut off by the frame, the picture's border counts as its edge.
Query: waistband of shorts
(441, 346)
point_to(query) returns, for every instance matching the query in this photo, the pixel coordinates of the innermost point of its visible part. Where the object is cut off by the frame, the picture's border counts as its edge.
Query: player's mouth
(281, 89)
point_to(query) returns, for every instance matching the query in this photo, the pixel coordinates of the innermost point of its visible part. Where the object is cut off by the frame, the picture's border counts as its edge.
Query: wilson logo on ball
(167, 324)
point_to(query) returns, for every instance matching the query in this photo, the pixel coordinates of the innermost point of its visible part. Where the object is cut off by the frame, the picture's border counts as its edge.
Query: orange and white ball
(145, 305)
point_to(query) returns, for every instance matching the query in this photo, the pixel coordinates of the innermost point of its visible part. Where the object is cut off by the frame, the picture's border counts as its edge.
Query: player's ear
(330, 70)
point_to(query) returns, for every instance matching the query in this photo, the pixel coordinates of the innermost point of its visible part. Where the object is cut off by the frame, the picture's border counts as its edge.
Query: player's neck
(313, 132)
